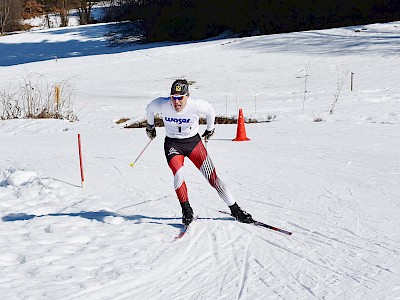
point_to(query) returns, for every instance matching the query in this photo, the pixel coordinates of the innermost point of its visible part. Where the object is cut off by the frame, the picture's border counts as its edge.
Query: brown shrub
(218, 120)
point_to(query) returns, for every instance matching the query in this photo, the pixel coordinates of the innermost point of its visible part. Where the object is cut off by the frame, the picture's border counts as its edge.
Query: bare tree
(57, 7)
(51, 7)
(64, 7)
(84, 8)
(5, 11)
(10, 15)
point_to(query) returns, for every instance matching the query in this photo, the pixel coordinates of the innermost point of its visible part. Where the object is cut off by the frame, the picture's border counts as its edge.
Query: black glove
(151, 131)
(208, 133)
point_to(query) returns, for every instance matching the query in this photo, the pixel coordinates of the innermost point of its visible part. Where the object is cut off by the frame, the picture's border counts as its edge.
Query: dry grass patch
(33, 97)
(218, 120)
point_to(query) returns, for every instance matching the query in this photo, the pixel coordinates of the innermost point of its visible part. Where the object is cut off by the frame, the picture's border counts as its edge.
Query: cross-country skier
(180, 115)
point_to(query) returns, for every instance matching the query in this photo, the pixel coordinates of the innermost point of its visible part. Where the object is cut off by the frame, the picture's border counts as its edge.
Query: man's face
(179, 102)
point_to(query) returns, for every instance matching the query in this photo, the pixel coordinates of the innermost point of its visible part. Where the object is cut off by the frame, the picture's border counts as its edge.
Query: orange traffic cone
(241, 131)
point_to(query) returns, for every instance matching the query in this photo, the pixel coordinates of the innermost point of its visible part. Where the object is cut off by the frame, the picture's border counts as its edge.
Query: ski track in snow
(333, 183)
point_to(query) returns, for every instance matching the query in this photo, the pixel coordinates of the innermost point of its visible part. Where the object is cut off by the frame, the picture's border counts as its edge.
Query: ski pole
(133, 163)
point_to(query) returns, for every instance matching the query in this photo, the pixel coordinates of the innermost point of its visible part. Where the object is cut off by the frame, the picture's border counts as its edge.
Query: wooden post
(80, 160)
(351, 84)
(57, 95)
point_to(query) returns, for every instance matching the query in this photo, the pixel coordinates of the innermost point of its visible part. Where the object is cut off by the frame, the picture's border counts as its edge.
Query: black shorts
(183, 147)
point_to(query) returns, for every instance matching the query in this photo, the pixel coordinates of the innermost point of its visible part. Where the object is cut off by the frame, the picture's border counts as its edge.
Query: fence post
(80, 160)
(57, 95)
(351, 85)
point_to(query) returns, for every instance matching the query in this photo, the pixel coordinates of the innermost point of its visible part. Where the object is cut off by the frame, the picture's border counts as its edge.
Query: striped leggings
(193, 148)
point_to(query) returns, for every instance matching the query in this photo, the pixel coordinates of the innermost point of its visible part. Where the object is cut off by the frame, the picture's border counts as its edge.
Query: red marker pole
(80, 160)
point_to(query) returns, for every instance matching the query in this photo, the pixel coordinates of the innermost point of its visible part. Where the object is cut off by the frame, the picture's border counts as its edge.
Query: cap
(180, 87)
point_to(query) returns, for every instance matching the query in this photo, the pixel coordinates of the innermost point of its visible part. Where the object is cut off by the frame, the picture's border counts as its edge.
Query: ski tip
(185, 229)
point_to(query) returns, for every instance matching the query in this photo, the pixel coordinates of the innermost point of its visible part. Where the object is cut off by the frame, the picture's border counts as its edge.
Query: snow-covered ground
(334, 183)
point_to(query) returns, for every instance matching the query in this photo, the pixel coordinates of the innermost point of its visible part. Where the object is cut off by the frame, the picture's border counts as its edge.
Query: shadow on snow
(91, 40)
(82, 41)
(349, 40)
(100, 217)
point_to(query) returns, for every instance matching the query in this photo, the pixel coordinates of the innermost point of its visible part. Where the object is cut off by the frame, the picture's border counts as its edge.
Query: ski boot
(187, 213)
(240, 214)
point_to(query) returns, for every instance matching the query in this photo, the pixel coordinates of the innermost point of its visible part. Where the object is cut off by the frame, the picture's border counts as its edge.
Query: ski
(185, 229)
(261, 224)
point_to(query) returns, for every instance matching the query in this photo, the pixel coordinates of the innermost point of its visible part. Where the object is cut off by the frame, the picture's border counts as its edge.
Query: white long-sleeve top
(182, 124)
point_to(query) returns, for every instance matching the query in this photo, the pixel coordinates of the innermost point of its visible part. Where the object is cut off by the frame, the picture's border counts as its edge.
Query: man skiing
(180, 115)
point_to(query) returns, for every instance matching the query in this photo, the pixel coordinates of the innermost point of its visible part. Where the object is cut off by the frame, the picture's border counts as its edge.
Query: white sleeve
(153, 107)
(205, 108)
